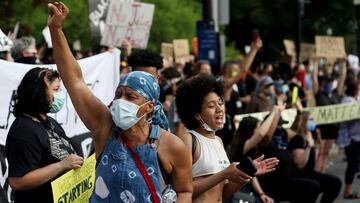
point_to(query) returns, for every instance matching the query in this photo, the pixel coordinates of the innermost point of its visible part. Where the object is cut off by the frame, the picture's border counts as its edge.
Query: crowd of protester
(188, 114)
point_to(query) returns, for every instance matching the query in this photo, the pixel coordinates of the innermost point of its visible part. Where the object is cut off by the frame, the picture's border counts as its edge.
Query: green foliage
(173, 19)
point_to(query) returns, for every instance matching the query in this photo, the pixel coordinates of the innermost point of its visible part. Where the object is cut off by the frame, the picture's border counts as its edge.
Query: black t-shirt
(298, 142)
(283, 169)
(31, 145)
(328, 131)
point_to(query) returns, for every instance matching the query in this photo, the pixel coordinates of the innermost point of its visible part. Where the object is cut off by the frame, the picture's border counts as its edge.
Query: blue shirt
(349, 130)
(118, 178)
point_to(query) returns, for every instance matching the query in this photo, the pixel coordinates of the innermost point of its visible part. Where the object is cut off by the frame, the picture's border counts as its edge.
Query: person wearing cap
(128, 147)
(263, 99)
(24, 50)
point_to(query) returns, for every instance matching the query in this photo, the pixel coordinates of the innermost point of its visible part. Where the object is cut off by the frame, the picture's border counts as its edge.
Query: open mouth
(220, 119)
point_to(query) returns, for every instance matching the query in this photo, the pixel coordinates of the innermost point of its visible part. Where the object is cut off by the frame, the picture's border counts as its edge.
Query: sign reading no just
(131, 21)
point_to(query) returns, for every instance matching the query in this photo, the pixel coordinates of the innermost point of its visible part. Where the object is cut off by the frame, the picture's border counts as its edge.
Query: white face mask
(205, 126)
(124, 113)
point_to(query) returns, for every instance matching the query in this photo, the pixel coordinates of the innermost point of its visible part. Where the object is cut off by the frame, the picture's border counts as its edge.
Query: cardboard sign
(5, 42)
(77, 184)
(290, 47)
(307, 51)
(167, 52)
(130, 21)
(330, 47)
(181, 50)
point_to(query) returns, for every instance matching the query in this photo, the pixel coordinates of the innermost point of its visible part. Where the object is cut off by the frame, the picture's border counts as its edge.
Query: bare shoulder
(172, 141)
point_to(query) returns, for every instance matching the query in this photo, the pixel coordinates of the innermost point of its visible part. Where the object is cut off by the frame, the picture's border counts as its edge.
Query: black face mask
(27, 60)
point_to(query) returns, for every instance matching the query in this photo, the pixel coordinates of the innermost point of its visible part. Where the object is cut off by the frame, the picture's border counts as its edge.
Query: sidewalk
(338, 169)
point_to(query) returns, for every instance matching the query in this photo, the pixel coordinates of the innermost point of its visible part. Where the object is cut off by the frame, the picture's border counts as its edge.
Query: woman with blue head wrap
(146, 85)
(138, 115)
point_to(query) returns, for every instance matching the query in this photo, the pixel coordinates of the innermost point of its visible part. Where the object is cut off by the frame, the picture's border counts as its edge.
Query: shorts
(329, 131)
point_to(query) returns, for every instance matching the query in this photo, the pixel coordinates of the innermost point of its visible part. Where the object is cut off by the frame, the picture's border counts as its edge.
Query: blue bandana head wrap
(146, 85)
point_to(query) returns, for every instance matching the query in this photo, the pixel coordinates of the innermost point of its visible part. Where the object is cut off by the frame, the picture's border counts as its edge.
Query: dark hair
(352, 88)
(244, 132)
(31, 96)
(145, 58)
(190, 96)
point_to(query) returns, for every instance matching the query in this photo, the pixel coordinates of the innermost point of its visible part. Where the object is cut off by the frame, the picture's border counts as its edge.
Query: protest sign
(330, 47)
(47, 36)
(290, 47)
(5, 42)
(76, 185)
(307, 51)
(167, 52)
(181, 50)
(16, 30)
(130, 21)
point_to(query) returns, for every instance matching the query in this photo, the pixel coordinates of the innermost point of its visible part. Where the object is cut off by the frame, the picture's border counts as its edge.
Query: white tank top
(213, 158)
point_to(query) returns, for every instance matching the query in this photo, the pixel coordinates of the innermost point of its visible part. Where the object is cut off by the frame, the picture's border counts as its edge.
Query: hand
(266, 199)
(280, 107)
(126, 44)
(265, 166)
(71, 161)
(235, 175)
(257, 44)
(57, 14)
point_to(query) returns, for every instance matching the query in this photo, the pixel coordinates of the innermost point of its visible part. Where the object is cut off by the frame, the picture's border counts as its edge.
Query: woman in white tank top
(201, 108)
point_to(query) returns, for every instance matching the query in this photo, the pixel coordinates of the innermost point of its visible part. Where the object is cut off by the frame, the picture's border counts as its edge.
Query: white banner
(130, 21)
(101, 74)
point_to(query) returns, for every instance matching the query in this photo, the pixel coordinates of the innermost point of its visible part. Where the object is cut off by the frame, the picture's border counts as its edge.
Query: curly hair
(191, 94)
(31, 96)
(145, 58)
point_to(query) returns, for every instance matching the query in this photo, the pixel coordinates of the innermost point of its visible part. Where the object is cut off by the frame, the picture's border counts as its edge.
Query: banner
(322, 114)
(101, 74)
(130, 21)
(330, 47)
(75, 186)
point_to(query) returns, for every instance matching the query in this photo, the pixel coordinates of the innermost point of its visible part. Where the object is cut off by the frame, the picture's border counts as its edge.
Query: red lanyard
(143, 171)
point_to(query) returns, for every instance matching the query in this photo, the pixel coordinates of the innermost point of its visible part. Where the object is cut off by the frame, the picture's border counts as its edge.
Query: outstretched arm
(92, 112)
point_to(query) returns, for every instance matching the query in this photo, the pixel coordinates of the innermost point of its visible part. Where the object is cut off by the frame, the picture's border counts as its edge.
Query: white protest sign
(47, 36)
(101, 74)
(130, 21)
(5, 42)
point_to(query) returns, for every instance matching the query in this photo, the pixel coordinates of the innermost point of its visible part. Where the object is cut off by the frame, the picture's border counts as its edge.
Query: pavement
(337, 167)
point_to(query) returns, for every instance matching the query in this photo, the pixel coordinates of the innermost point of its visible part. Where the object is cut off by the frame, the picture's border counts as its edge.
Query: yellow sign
(322, 114)
(75, 186)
